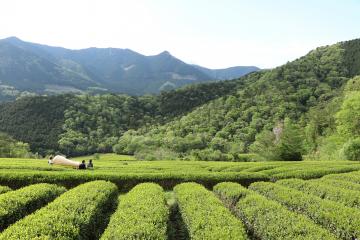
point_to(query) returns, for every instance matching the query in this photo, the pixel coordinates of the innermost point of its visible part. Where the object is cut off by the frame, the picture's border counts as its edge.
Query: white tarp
(60, 160)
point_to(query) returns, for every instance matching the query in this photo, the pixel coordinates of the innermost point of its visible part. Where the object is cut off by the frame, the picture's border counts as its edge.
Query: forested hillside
(35, 120)
(86, 124)
(310, 105)
(224, 127)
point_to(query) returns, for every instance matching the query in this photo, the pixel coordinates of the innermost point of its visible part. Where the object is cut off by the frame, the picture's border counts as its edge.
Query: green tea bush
(125, 180)
(77, 214)
(267, 219)
(205, 216)
(15, 205)
(337, 218)
(340, 183)
(4, 189)
(230, 192)
(142, 214)
(353, 177)
(349, 198)
(309, 173)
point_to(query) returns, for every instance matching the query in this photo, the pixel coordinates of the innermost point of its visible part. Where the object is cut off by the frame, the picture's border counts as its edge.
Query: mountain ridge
(93, 70)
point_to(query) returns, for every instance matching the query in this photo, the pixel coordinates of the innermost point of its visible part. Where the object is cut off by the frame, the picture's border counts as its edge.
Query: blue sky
(212, 33)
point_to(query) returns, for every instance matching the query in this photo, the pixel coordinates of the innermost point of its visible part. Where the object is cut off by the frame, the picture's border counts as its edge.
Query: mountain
(228, 73)
(28, 68)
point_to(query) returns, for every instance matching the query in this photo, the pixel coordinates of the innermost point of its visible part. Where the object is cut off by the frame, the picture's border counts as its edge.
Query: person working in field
(82, 165)
(90, 165)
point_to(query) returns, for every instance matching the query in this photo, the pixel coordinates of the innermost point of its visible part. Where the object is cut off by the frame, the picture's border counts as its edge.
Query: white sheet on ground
(60, 160)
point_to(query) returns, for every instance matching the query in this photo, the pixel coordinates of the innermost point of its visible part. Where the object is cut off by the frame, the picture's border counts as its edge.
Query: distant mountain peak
(165, 53)
(12, 39)
(119, 69)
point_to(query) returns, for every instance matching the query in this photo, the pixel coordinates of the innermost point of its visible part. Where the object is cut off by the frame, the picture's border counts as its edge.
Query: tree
(291, 144)
(348, 118)
(286, 145)
(11, 148)
(351, 149)
(265, 146)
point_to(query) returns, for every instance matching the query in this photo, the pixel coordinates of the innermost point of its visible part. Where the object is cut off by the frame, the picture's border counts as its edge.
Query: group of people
(83, 165)
(61, 160)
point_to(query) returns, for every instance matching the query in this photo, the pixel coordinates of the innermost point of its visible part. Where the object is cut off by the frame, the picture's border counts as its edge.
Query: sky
(210, 33)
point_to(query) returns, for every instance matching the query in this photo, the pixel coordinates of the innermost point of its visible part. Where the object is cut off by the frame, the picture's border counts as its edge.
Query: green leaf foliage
(267, 219)
(10, 148)
(195, 202)
(15, 205)
(142, 214)
(4, 189)
(77, 214)
(348, 117)
(321, 189)
(335, 217)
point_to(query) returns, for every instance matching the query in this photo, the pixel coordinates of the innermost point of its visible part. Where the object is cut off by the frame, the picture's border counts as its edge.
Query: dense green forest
(85, 124)
(308, 108)
(308, 92)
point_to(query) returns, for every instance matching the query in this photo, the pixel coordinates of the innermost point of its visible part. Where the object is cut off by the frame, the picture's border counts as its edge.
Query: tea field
(123, 198)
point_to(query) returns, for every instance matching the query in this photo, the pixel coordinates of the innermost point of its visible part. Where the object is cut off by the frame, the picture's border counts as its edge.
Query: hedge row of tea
(335, 217)
(325, 190)
(77, 214)
(124, 180)
(142, 214)
(15, 205)
(324, 208)
(4, 189)
(205, 216)
(268, 219)
(82, 213)
(127, 174)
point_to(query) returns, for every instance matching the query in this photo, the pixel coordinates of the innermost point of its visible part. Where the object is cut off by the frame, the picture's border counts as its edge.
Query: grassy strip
(268, 219)
(4, 189)
(15, 205)
(77, 214)
(349, 198)
(125, 181)
(142, 214)
(205, 216)
(337, 218)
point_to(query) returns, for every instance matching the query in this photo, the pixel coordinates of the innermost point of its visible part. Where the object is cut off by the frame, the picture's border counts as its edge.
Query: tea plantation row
(323, 208)
(127, 174)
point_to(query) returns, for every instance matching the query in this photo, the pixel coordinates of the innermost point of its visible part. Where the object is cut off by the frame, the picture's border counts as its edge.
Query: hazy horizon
(211, 34)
